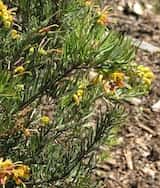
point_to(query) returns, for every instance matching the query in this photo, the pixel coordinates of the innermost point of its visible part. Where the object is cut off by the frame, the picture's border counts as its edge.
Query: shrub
(63, 74)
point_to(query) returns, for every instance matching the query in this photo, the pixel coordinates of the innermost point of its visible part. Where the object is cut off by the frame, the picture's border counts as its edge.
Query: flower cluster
(110, 82)
(19, 70)
(145, 74)
(116, 82)
(13, 171)
(102, 14)
(5, 15)
(14, 34)
(45, 120)
(102, 17)
(113, 82)
(118, 79)
(77, 97)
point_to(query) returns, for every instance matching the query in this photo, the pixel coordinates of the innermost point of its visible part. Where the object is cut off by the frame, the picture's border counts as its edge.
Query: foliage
(60, 67)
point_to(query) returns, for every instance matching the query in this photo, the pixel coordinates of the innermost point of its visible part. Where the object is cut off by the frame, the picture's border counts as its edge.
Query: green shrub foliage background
(42, 67)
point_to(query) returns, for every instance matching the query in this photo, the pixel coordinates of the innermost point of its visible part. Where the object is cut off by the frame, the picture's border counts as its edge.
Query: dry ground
(135, 161)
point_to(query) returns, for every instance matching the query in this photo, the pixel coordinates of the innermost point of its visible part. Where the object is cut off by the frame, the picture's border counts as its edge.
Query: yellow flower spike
(45, 120)
(76, 99)
(41, 51)
(19, 69)
(80, 92)
(15, 34)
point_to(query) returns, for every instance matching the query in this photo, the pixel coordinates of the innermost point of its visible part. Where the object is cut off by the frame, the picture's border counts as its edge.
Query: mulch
(135, 161)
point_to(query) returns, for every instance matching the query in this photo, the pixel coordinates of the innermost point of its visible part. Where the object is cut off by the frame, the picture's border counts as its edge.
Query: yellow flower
(20, 172)
(149, 75)
(41, 51)
(5, 170)
(146, 74)
(15, 34)
(6, 167)
(80, 92)
(5, 164)
(103, 16)
(102, 19)
(147, 81)
(45, 120)
(118, 78)
(16, 171)
(1, 5)
(19, 69)
(5, 15)
(113, 82)
(77, 97)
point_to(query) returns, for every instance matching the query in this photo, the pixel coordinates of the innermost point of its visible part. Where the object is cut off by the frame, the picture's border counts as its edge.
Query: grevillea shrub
(63, 75)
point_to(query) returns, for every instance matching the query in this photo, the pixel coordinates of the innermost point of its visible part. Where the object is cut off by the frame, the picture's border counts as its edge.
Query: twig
(128, 156)
(144, 127)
